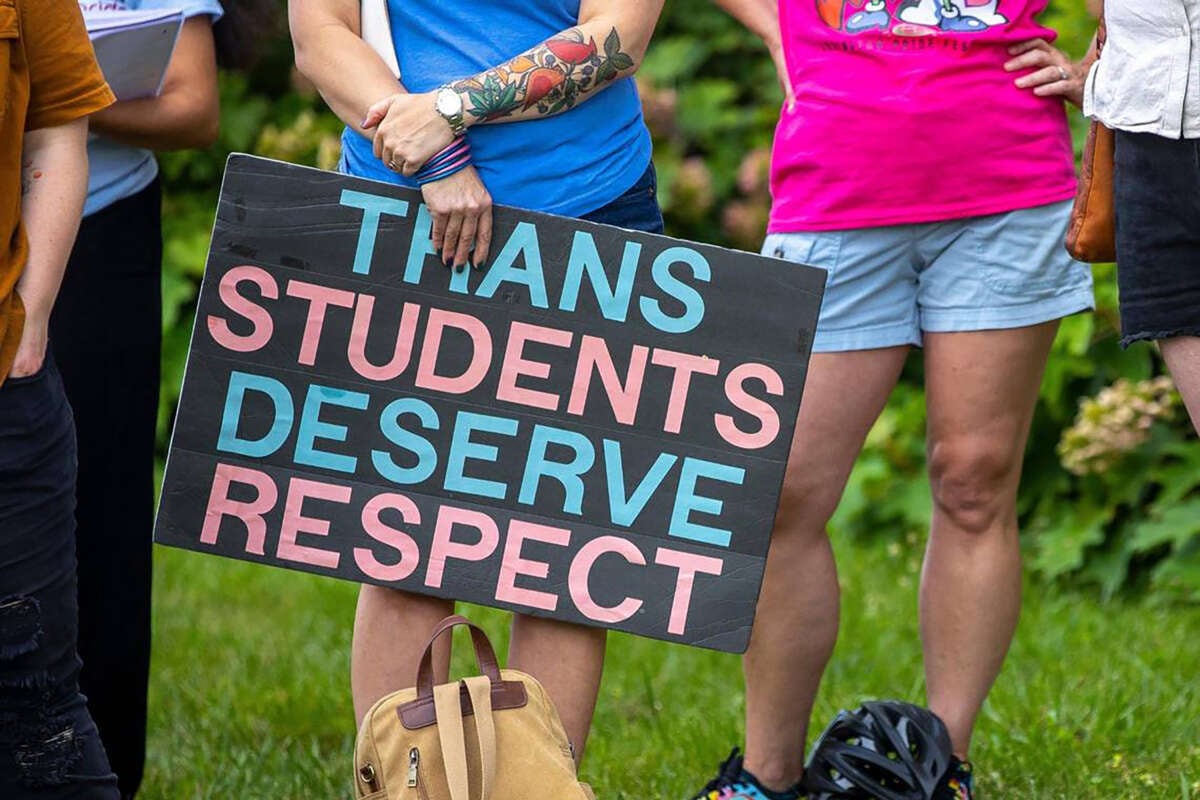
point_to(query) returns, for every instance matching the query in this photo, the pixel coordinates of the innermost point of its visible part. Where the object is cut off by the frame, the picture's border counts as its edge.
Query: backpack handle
(450, 723)
(485, 655)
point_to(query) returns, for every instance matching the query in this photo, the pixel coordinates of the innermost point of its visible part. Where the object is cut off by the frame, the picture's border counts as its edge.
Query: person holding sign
(529, 104)
(920, 164)
(49, 84)
(109, 314)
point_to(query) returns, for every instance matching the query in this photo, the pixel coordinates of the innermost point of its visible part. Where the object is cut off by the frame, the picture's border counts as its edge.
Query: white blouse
(1148, 78)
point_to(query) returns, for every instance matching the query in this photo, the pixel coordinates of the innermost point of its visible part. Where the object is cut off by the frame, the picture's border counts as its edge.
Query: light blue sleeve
(190, 8)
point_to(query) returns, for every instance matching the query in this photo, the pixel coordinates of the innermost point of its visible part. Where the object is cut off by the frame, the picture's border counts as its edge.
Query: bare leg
(797, 622)
(1183, 358)
(981, 392)
(390, 631)
(567, 660)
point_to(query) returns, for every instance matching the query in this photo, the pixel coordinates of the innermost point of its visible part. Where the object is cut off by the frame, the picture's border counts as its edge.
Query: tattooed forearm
(548, 79)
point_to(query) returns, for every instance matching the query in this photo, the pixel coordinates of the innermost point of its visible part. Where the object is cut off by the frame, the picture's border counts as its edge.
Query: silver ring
(1065, 76)
(392, 166)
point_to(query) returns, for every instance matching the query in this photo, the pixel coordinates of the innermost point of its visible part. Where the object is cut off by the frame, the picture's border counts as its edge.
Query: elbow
(208, 132)
(304, 59)
(200, 133)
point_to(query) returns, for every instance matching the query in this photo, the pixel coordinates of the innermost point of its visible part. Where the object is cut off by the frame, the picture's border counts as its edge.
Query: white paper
(134, 48)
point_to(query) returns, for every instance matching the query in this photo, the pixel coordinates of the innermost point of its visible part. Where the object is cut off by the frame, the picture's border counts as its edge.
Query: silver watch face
(449, 103)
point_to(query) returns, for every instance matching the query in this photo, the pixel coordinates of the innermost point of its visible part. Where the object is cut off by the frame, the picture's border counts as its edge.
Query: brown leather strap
(420, 713)
(450, 734)
(485, 655)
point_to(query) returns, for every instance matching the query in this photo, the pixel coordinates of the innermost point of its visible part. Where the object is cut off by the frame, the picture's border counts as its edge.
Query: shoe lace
(729, 773)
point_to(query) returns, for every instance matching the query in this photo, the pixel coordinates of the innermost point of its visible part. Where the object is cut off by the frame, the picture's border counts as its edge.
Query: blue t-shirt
(117, 171)
(569, 164)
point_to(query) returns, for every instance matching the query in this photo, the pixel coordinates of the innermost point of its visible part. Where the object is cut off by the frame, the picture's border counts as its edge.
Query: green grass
(250, 691)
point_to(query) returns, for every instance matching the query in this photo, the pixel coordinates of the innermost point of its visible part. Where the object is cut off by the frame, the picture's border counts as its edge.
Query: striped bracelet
(455, 158)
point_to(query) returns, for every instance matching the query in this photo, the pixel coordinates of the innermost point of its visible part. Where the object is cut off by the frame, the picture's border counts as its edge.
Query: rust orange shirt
(48, 77)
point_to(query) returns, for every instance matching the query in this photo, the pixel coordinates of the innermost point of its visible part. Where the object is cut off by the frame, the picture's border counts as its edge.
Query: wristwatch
(449, 105)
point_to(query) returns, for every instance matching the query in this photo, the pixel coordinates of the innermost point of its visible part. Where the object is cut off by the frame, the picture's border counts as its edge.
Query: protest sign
(594, 427)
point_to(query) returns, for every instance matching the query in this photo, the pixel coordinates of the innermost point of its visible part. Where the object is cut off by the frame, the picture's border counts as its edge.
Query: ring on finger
(1063, 75)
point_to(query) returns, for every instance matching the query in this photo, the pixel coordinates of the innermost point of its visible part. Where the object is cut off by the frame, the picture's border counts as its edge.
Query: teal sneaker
(733, 782)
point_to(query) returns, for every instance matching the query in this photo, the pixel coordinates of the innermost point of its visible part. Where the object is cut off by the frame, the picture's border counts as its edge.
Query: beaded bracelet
(455, 158)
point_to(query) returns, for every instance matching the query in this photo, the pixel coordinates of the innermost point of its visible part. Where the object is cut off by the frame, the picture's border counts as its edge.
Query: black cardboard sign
(593, 428)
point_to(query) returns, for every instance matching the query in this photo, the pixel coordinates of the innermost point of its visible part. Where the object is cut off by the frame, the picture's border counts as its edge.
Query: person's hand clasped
(1054, 73)
(408, 131)
(462, 218)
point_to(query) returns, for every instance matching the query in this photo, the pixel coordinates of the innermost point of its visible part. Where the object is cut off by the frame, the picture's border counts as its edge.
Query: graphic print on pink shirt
(912, 17)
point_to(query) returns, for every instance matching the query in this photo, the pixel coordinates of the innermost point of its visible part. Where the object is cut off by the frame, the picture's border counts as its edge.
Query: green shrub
(1131, 519)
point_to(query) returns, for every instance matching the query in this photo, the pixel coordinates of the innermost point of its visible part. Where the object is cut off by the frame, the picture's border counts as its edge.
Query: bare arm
(761, 17)
(186, 113)
(54, 170)
(331, 53)
(570, 67)
(609, 43)
(351, 76)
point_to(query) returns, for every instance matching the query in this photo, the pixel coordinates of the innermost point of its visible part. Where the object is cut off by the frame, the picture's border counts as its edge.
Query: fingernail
(459, 267)
(449, 262)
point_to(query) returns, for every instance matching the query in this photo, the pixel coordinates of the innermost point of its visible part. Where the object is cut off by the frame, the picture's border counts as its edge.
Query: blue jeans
(49, 747)
(635, 210)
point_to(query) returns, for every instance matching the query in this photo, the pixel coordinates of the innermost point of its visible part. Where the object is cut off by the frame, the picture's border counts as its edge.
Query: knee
(806, 503)
(973, 482)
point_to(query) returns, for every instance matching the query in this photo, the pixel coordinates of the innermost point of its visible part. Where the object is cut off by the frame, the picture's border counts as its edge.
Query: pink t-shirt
(904, 114)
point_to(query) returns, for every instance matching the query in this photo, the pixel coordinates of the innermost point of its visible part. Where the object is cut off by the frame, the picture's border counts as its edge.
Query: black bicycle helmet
(882, 751)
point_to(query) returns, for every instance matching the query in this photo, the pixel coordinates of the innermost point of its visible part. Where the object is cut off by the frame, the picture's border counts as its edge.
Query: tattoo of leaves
(551, 77)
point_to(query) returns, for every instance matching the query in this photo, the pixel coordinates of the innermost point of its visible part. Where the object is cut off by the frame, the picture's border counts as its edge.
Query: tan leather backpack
(495, 736)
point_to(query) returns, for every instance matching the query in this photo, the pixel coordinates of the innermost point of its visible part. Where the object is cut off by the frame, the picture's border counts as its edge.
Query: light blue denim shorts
(889, 285)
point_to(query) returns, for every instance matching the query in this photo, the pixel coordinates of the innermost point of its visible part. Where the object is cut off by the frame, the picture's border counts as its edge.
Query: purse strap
(485, 655)
(448, 707)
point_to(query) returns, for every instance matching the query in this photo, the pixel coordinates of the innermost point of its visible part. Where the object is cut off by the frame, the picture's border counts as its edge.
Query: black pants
(106, 333)
(49, 749)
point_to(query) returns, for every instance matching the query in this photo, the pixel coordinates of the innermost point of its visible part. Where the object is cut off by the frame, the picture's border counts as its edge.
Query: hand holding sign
(594, 428)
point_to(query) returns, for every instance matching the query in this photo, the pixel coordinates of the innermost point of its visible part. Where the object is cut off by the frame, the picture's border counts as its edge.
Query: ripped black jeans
(49, 748)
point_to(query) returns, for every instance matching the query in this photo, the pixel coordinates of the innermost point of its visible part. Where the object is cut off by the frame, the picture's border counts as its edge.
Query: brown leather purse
(1092, 236)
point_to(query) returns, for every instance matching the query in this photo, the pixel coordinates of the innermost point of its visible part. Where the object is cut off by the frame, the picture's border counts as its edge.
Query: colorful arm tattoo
(550, 78)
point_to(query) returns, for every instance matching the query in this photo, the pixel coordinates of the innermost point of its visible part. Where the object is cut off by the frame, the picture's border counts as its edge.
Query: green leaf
(606, 72)
(1176, 526)
(1063, 549)
(509, 98)
(478, 99)
(622, 61)
(612, 44)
